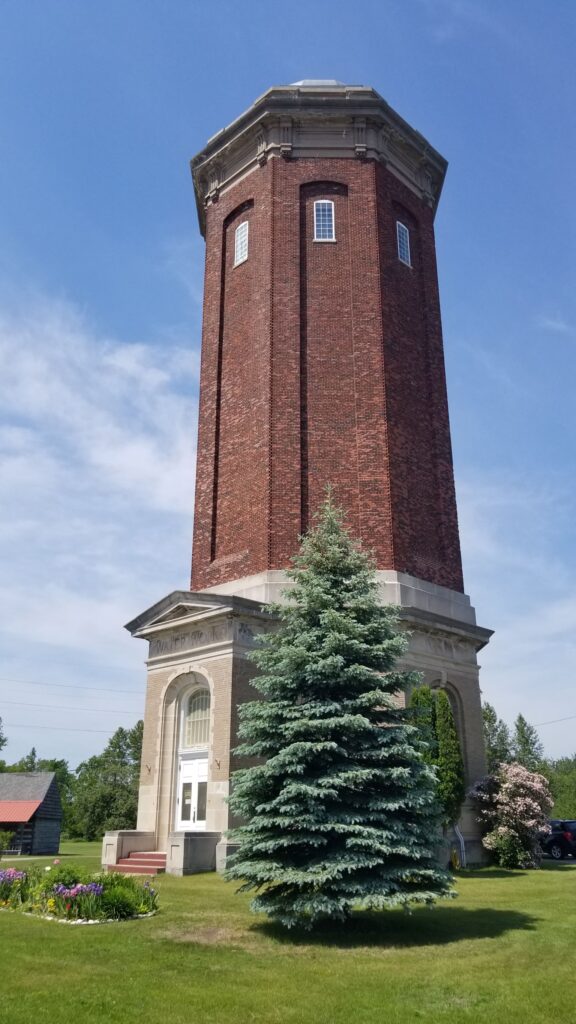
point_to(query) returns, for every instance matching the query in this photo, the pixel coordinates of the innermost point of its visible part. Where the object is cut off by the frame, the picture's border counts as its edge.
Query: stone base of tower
(198, 648)
(443, 647)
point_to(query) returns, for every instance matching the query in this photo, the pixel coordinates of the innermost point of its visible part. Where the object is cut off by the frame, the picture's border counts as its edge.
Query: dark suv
(561, 840)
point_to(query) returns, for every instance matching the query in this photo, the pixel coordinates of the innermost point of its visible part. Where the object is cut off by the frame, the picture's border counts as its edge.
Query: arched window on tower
(324, 226)
(197, 719)
(241, 243)
(403, 243)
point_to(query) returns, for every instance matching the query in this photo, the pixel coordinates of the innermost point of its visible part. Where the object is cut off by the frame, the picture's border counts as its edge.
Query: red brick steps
(141, 864)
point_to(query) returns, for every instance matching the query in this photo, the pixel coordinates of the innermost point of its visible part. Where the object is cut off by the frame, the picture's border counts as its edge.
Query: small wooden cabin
(31, 810)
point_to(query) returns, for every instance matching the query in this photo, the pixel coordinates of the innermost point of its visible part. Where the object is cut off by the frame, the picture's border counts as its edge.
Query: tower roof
(317, 118)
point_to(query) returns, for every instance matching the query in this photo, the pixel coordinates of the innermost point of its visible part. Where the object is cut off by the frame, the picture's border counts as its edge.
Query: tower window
(241, 243)
(324, 221)
(403, 239)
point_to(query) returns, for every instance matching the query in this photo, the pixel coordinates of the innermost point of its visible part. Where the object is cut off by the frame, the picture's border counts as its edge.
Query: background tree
(106, 787)
(342, 811)
(497, 740)
(431, 712)
(3, 742)
(422, 707)
(5, 840)
(561, 775)
(526, 746)
(451, 784)
(28, 763)
(513, 805)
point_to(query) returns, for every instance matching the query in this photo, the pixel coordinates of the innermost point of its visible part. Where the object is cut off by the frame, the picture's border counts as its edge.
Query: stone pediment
(182, 606)
(175, 607)
(183, 610)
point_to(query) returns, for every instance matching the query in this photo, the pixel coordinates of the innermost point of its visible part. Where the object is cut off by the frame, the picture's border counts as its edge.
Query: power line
(67, 707)
(110, 689)
(53, 728)
(65, 686)
(568, 718)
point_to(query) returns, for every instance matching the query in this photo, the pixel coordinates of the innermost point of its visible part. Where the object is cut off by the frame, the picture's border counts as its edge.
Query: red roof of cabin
(18, 810)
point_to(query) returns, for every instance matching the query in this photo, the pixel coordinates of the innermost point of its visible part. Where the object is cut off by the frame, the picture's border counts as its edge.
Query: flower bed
(71, 894)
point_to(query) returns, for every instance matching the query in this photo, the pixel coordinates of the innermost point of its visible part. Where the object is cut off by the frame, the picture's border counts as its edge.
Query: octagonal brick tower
(322, 359)
(322, 362)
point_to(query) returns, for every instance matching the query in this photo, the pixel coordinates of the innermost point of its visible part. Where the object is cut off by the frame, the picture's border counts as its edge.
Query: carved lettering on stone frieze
(245, 633)
(449, 650)
(187, 640)
(217, 633)
(437, 645)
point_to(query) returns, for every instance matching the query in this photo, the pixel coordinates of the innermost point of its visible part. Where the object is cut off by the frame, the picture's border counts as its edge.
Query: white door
(192, 787)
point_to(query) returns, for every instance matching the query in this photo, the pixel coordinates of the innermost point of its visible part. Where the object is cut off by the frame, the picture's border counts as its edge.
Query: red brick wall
(231, 520)
(425, 526)
(322, 363)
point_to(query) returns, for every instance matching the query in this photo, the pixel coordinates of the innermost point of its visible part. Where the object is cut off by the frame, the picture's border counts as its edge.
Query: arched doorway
(193, 747)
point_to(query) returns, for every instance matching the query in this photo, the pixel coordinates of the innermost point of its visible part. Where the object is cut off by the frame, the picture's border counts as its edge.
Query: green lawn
(503, 951)
(86, 854)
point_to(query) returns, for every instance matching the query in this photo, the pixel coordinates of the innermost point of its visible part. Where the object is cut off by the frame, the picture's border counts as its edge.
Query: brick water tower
(322, 362)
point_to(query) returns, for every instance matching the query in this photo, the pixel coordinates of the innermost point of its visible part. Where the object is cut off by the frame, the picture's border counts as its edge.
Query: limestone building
(322, 361)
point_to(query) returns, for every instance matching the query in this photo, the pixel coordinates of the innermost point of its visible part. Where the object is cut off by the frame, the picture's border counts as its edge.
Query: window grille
(241, 243)
(324, 221)
(197, 720)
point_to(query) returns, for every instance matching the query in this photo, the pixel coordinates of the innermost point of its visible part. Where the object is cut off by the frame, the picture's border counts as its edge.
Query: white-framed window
(241, 243)
(324, 226)
(403, 240)
(196, 731)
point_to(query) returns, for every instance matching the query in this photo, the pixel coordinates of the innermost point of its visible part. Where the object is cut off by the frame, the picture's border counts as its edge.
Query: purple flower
(91, 889)
(12, 875)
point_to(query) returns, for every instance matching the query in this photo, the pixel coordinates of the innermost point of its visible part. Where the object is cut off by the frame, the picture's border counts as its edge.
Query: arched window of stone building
(196, 732)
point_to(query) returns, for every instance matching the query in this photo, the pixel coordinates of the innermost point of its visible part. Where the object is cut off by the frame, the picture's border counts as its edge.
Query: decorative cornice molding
(307, 121)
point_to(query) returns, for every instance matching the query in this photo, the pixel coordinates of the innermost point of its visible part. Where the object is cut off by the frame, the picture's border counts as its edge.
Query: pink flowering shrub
(514, 805)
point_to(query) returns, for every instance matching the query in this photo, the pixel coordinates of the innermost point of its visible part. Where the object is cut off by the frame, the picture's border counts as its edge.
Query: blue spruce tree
(340, 810)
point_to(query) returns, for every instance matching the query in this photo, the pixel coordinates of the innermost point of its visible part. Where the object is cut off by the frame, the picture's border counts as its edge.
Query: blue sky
(101, 108)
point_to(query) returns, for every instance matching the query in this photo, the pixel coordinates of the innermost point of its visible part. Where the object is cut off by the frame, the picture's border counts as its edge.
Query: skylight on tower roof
(318, 81)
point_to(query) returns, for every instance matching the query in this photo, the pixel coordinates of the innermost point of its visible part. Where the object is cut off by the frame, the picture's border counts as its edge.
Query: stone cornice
(440, 625)
(306, 121)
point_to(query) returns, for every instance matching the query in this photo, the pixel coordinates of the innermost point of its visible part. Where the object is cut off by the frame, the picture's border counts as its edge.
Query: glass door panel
(186, 802)
(201, 802)
(192, 794)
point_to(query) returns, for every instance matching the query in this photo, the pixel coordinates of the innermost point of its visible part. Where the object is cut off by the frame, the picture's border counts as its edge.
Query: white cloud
(123, 414)
(97, 445)
(492, 367)
(523, 589)
(556, 324)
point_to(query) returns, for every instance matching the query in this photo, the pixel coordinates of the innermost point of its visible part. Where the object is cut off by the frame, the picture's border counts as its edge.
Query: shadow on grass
(546, 865)
(491, 873)
(424, 927)
(558, 865)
